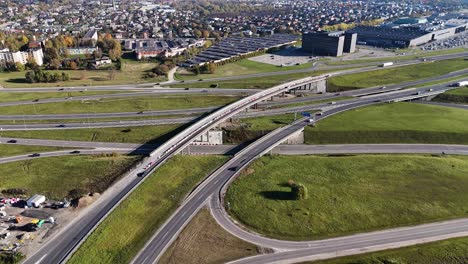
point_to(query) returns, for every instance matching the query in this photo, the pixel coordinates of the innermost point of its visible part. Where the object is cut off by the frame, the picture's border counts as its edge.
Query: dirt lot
(23, 235)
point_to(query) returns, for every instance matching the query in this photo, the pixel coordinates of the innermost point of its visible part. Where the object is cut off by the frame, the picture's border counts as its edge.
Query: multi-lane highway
(221, 177)
(61, 245)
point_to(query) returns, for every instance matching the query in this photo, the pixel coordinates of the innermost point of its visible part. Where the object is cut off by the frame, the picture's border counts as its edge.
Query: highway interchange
(59, 247)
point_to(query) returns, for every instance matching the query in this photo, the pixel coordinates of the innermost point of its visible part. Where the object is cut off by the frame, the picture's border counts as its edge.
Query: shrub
(299, 191)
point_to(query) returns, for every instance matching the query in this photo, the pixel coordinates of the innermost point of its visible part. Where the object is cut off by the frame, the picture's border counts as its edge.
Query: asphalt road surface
(221, 177)
(362, 243)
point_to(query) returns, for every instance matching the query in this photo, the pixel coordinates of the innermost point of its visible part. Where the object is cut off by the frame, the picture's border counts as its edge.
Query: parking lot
(286, 57)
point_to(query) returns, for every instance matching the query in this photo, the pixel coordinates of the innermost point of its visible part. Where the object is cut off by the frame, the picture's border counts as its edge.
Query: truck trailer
(386, 64)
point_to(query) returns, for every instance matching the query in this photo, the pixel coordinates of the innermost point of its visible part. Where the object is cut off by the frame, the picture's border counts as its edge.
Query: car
(35, 155)
(75, 152)
(383, 87)
(182, 81)
(200, 80)
(36, 100)
(186, 89)
(141, 112)
(319, 113)
(61, 125)
(204, 91)
(12, 141)
(337, 94)
(430, 90)
(332, 102)
(61, 89)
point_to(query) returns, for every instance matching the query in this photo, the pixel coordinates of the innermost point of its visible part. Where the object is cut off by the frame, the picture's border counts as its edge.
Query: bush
(39, 76)
(299, 191)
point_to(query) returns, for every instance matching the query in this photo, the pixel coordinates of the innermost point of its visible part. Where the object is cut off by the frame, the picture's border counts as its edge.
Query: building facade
(329, 43)
(22, 57)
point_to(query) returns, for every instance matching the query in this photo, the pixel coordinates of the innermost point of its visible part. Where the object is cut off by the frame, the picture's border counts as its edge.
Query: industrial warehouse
(409, 32)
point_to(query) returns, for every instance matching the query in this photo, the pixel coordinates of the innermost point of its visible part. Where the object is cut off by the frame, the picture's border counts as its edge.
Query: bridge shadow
(277, 195)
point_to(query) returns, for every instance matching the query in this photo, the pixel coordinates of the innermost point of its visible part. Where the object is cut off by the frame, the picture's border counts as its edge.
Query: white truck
(462, 83)
(386, 64)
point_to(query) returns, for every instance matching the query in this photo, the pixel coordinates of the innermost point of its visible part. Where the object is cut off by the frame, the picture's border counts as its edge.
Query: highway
(59, 247)
(266, 74)
(367, 242)
(152, 92)
(225, 174)
(387, 95)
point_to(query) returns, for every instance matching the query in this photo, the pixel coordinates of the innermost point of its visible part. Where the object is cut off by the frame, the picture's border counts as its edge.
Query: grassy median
(393, 123)
(348, 194)
(13, 150)
(59, 177)
(452, 251)
(121, 235)
(113, 105)
(24, 96)
(138, 134)
(204, 241)
(395, 75)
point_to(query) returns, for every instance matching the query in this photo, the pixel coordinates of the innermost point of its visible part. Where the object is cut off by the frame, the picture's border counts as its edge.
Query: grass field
(131, 73)
(56, 177)
(140, 134)
(13, 150)
(394, 75)
(393, 123)
(20, 96)
(144, 211)
(112, 105)
(348, 194)
(241, 67)
(204, 241)
(452, 251)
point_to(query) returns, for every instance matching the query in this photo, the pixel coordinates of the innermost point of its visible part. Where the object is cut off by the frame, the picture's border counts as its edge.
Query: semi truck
(386, 64)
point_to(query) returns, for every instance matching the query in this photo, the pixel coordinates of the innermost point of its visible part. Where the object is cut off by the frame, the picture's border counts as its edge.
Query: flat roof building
(329, 43)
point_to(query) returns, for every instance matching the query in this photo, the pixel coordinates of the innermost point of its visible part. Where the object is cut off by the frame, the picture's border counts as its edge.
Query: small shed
(36, 200)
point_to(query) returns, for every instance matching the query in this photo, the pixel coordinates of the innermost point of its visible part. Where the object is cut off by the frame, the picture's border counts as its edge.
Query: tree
(19, 67)
(30, 77)
(197, 33)
(73, 65)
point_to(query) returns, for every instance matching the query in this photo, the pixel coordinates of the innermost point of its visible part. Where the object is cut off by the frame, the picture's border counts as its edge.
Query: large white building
(22, 56)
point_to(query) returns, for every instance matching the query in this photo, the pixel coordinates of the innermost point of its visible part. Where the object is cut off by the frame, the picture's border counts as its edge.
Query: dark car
(75, 152)
(35, 155)
(62, 125)
(12, 141)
